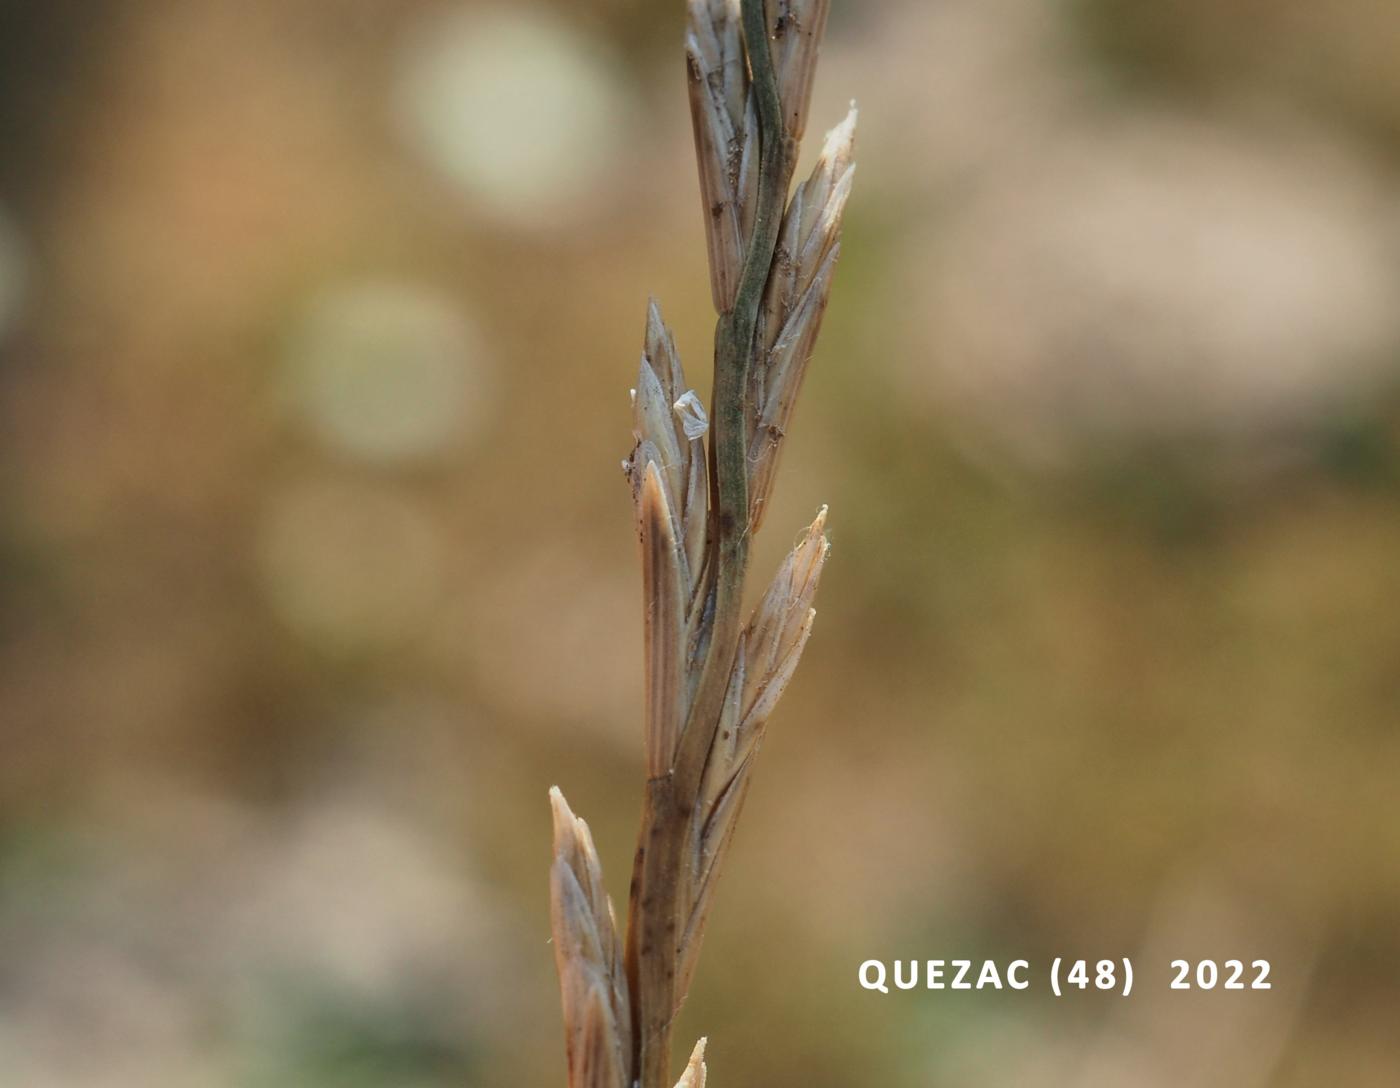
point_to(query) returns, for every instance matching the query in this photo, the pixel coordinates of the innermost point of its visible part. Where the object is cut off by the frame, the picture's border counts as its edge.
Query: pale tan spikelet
(796, 27)
(669, 474)
(588, 954)
(780, 625)
(669, 428)
(794, 302)
(767, 656)
(724, 118)
(694, 1075)
(769, 649)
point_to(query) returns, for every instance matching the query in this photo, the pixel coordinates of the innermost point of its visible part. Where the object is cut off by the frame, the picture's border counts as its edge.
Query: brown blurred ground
(316, 567)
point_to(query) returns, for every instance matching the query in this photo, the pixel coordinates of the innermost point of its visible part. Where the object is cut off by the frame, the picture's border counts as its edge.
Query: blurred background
(317, 568)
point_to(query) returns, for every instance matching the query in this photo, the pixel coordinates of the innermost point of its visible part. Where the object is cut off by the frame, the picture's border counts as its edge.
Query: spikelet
(796, 27)
(724, 118)
(669, 425)
(794, 301)
(597, 1017)
(694, 1075)
(767, 655)
(669, 477)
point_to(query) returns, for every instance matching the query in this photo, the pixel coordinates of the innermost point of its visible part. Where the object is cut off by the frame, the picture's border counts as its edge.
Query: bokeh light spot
(1167, 280)
(517, 107)
(389, 373)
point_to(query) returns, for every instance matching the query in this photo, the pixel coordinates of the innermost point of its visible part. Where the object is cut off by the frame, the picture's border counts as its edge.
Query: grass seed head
(712, 681)
(588, 955)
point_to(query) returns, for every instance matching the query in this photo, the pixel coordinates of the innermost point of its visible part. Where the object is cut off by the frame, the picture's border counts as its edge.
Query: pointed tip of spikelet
(814, 545)
(840, 141)
(566, 824)
(694, 1075)
(563, 822)
(808, 558)
(656, 325)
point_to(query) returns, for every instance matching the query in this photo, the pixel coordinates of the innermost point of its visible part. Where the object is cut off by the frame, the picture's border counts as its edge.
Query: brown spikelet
(725, 122)
(793, 305)
(768, 652)
(664, 623)
(594, 1059)
(588, 954)
(796, 27)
